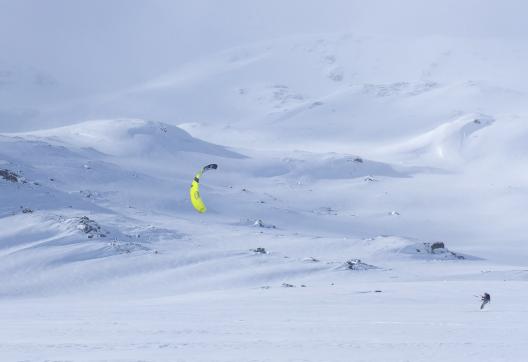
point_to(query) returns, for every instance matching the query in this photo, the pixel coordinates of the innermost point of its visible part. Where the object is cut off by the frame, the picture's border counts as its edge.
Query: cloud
(99, 46)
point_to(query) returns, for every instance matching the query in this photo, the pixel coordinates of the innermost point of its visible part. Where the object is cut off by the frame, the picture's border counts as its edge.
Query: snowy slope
(98, 169)
(99, 210)
(332, 91)
(369, 187)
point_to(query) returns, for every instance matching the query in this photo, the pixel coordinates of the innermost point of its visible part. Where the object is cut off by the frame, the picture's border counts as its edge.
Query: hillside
(369, 189)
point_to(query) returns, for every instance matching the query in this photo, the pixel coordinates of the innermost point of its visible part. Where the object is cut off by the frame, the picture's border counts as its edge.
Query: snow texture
(371, 183)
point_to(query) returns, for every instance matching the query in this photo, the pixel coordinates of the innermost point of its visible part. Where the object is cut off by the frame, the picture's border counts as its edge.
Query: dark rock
(261, 224)
(10, 176)
(439, 249)
(259, 251)
(88, 226)
(437, 245)
(311, 259)
(357, 264)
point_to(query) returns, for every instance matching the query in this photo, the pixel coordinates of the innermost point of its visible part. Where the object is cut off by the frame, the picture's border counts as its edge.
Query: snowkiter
(486, 298)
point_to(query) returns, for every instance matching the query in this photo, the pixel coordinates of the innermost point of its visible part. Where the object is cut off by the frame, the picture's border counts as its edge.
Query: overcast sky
(132, 39)
(102, 45)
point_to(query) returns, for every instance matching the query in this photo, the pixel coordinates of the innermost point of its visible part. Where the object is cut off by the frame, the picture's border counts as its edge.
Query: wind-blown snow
(100, 209)
(369, 189)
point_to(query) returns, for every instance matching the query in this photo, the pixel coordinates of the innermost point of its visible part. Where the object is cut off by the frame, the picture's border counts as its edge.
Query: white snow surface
(363, 200)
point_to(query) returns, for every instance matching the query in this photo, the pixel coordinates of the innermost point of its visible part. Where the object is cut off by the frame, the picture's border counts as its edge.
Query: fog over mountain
(76, 50)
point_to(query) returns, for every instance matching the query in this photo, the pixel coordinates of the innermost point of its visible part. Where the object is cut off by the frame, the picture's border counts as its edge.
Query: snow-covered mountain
(101, 209)
(368, 188)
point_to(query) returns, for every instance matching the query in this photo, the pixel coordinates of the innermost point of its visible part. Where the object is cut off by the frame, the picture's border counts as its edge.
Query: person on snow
(486, 298)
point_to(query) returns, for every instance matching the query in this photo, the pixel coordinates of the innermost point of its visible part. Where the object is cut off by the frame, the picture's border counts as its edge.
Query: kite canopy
(194, 191)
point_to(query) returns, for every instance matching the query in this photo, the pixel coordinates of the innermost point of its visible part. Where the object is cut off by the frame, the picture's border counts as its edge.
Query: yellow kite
(194, 191)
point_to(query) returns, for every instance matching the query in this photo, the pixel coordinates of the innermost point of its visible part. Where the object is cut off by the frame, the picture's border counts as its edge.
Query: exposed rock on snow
(437, 249)
(287, 285)
(311, 259)
(259, 251)
(393, 246)
(11, 176)
(357, 264)
(259, 223)
(89, 227)
(89, 194)
(127, 247)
